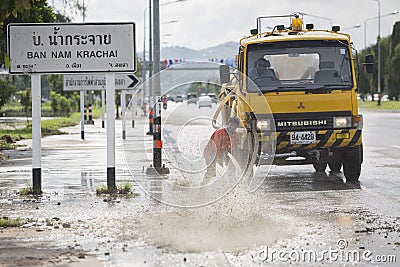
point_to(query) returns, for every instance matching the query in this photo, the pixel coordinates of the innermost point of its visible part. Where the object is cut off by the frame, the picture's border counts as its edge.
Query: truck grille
(306, 121)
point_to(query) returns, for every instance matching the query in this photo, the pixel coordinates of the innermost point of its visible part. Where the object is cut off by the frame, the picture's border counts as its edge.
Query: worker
(262, 70)
(222, 142)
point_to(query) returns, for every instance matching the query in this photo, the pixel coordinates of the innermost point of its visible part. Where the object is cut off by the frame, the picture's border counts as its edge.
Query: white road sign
(71, 48)
(79, 82)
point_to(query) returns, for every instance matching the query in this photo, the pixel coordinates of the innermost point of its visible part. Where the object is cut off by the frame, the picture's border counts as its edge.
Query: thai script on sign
(85, 82)
(58, 39)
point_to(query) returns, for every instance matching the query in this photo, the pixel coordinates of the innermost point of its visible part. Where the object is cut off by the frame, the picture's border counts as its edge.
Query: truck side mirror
(224, 74)
(369, 63)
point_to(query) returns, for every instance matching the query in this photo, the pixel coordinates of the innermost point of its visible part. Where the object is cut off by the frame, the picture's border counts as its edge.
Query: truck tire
(352, 159)
(320, 167)
(335, 166)
(250, 149)
(335, 163)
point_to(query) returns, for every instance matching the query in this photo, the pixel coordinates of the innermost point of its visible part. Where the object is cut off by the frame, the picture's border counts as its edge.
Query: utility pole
(379, 52)
(157, 159)
(157, 143)
(150, 66)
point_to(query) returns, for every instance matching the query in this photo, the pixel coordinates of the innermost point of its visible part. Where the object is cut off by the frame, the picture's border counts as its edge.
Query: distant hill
(222, 51)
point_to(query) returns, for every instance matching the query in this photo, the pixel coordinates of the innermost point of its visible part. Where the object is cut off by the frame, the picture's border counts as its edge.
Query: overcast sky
(205, 23)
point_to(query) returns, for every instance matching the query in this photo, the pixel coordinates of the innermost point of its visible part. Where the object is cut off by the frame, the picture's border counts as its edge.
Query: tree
(54, 103)
(26, 11)
(394, 79)
(60, 105)
(6, 91)
(56, 83)
(26, 102)
(18, 11)
(395, 37)
(12, 11)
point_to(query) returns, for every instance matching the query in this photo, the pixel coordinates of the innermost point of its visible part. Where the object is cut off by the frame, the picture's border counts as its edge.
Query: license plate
(302, 137)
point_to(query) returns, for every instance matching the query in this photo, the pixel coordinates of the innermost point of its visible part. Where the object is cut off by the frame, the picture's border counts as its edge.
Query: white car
(205, 101)
(213, 97)
(178, 98)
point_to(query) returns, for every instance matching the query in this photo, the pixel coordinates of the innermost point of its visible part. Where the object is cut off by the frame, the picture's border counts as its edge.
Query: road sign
(80, 82)
(71, 48)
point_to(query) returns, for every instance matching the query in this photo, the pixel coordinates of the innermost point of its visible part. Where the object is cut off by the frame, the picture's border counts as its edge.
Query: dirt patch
(28, 247)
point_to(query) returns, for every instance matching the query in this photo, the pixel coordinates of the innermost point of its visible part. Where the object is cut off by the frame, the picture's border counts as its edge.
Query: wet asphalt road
(294, 214)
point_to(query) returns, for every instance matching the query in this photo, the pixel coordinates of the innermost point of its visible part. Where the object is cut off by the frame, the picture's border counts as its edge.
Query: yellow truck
(295, 91)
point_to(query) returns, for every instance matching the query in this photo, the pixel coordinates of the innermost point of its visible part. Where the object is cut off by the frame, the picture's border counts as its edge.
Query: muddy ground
(295, 211)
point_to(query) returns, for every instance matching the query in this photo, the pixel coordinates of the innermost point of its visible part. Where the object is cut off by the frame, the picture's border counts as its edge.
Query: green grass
(49, 127)
(15, 107)
(8, 222)
(122, 189)
(388, 105)
(6, 146)
(28, 191)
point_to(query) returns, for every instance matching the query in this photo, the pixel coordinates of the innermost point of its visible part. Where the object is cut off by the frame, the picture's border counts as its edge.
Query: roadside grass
(26, 191)
(122, 189)
(6, 146)
(388, 105)
(49, 127)
(8, 222)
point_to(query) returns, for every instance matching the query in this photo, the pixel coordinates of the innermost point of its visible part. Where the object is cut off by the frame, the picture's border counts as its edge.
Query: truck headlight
(342, 122)
(264, 125)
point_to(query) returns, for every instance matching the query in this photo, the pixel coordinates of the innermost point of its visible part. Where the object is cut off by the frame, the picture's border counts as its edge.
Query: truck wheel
(352, 159)
(320, 167)
(250, 149)
(335, 163)
(335, 166)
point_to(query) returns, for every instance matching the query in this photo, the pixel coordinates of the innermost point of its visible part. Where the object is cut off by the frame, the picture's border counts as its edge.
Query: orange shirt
(221, 142)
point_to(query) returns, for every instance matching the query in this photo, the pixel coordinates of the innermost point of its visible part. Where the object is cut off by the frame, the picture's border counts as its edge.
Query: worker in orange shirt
(222, 142)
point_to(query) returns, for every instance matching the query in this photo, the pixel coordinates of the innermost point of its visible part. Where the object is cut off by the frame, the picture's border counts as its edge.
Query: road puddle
(233, 223)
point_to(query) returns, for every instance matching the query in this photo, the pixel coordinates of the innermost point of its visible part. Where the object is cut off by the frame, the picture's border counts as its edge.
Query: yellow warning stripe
(332, 141)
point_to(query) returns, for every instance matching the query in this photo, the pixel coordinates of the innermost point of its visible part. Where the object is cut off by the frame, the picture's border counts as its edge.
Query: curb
(380, 110)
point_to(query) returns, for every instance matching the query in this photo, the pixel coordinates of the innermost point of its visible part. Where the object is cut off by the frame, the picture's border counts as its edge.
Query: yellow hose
(221, 105)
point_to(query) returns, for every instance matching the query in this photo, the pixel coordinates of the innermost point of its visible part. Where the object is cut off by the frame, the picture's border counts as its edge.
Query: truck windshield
(299, 65)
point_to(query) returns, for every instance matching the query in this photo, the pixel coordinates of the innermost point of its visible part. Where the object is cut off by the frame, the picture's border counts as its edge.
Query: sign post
(36, 135)
(36, 48)
(123, 110)
(82, 108)
(110, 77)
(133, 108)
(103, 102)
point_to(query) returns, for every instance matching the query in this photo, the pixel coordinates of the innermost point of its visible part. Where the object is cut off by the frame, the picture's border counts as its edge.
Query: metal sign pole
(123, 108)
(133, 108)
(82, 108)
(90, 107)
(86, 108)
(157, 145)
(103, 95)
(36, 134)
(110, 84)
